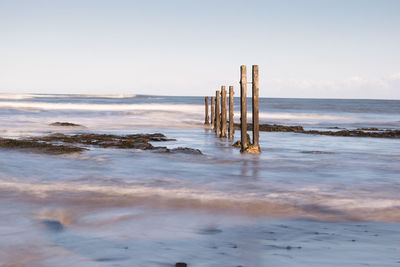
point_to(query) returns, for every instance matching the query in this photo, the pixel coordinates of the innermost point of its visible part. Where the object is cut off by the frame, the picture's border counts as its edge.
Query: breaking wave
(302, 203)
(30, 96)
(100, 107)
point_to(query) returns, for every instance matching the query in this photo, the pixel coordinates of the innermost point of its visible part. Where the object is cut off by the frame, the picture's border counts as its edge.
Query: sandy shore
(54, 235)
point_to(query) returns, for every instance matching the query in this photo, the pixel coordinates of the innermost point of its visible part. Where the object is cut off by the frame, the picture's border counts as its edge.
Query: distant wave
(98, 107)
(16, 96)
(314, 204)
(303, 116)
(306, 117)
(30, 96)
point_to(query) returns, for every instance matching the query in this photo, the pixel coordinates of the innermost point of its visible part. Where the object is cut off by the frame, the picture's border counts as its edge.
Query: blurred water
(323, 178)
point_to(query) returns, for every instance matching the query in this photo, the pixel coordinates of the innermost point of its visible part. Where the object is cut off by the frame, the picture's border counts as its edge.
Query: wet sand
(53, 235)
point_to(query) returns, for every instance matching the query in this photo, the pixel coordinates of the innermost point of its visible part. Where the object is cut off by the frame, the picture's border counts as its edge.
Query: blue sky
(319, 49)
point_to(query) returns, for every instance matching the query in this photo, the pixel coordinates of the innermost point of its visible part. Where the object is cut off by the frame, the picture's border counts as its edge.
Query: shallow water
(117, 207)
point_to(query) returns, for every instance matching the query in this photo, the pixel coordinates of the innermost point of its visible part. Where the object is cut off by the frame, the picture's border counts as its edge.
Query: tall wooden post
(243, 108)
(223, 112)
(212, 112)
(255, 105)
(217, 115)
(206, 120)
(231, 127)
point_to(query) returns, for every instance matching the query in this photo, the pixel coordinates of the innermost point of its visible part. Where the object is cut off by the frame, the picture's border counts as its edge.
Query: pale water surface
(305, 201)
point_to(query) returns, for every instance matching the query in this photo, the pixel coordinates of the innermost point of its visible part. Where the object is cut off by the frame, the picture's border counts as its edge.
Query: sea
(306, 200)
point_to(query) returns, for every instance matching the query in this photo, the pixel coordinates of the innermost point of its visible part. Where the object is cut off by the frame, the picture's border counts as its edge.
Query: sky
(308, 48)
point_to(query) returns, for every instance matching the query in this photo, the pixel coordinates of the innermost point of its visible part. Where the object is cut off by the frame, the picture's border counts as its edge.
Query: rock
(65, 124)
(273, 128)
(358, 133)
(369, 129)
(73, 143)
(210, 231)
(317, 152)
(252, 149)
(185, 150)
(280, 128)
(135, 141)
(180, 264)
(361, 132)
(53, 225)
(39, 146)
(237, 144)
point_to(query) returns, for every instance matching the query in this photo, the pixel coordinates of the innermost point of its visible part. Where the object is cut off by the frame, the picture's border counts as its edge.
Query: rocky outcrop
(64, 144)
(65, 124)
(361, 132)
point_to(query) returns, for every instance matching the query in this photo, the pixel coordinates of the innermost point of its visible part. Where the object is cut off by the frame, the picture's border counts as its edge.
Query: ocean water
(307, 200)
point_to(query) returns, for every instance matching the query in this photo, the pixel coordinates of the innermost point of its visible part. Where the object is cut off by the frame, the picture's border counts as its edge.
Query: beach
(306, 200)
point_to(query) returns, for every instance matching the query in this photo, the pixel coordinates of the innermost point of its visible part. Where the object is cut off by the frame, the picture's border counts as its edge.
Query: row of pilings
(219, 109)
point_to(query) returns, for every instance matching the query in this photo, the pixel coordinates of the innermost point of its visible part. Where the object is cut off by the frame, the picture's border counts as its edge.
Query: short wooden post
(212, 112)
(255, 106)
(217, 114)
(223, 112)
(231, 130)
(206, 120)
(243, 109)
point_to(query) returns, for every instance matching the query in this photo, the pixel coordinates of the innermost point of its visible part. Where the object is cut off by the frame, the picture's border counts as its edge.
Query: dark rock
(53, 225)
(136, 141)
(65, 124)
(61, 144)
(239, 143)
(280, 128)
(111, 259)
(317, 152)
(185, 150)
(210, 231)
(369, 129)
(39, 146)
(180, 264)
(358, 133)
(273, 128)
(361, 132)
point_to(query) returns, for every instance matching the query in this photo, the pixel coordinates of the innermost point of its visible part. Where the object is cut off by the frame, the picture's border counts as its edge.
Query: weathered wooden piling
(243, 109)
(213, 112)
(255, 106)
(217, 114)
(223, 112)
(206, 119)
(231, 130)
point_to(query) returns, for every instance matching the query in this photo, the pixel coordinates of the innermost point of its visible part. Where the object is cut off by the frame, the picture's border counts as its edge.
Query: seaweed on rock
(64, 144)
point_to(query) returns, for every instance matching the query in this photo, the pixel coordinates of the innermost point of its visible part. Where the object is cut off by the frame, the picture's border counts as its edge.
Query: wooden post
(217, 115)
(255, 105)
(206, 121)
(231, 127)
(243, 109)
(223, 112)
(212, 112)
